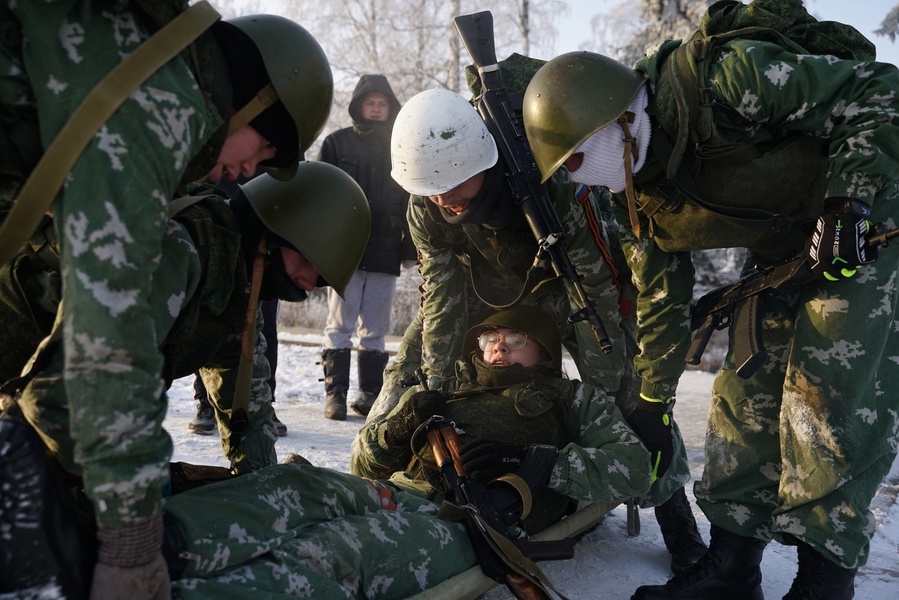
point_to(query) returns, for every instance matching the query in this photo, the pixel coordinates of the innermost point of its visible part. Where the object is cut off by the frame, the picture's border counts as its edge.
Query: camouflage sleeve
(371, 456)
(443, 298)
(587, 243)
(608, 462)
(664, 282)
(111, 217)
(852, 104)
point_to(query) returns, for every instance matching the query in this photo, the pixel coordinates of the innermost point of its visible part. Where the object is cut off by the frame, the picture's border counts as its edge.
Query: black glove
(651, 421)
(488, 459)
(837, 247)
(419, 408)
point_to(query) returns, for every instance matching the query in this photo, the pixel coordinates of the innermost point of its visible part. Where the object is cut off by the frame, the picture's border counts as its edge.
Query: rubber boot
(336, 365)
(820, 579)
(371, 365)
(47, 547)
(729, 569)
(682, 539)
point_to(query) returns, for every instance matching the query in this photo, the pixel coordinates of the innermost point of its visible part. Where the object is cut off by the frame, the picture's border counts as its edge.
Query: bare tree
(889, 27)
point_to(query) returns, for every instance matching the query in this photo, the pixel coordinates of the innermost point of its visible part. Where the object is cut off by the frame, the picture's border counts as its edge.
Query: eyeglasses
(514, 340)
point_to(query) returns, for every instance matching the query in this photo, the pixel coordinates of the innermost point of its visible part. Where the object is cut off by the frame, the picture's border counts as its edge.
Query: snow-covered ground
(607, 564)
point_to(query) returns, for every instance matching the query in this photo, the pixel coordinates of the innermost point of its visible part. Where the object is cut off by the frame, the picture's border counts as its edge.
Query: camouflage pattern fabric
(208, 340)
(111, 216)
(304, 532)
(450, 305)
(603, 460)
(801, 447)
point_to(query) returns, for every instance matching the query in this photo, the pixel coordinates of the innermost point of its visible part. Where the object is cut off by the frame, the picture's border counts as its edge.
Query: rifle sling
(98, 106)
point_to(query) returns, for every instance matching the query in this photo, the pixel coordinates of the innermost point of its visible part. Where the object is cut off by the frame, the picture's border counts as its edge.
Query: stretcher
(472, 583)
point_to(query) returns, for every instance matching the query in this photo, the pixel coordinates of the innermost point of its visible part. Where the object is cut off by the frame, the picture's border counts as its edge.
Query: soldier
(300, 530)
(476, 250)
(786, 152)
(250, 90)
(208, 250)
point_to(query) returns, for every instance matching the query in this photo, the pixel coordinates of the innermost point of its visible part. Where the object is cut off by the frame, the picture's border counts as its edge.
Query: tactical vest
(708, 192)
(214, 317)
(536, 413)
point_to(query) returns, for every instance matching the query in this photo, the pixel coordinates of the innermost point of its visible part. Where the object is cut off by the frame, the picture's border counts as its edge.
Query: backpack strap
(48, 175)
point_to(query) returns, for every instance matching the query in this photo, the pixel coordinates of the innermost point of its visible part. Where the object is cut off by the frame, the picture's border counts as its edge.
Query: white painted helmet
(438, 142)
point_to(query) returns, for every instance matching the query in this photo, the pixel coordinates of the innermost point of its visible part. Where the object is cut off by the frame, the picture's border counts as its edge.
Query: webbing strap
(97, 107)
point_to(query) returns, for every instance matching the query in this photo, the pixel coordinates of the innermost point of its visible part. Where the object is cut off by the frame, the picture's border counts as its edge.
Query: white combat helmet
(438, 142)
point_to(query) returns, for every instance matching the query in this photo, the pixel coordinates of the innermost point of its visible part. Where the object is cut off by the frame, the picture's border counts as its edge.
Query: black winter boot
(336, 365)
(820, 579)
(371, 365)
(679, 531)
(44, 550)
(728, 570)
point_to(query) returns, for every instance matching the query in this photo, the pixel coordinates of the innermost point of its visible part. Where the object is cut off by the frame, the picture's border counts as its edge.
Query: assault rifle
(503, 558)
(738, 303)
(502, 115)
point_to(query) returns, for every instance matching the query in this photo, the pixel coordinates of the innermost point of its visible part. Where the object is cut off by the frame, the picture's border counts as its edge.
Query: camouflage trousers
(800, 448)
(305, 532)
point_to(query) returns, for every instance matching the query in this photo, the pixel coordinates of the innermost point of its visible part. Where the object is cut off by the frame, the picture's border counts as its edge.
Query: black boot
(336, 365)
(44, 548)
(371, 365)
(820, 579)
(679, 531)
(729, 569)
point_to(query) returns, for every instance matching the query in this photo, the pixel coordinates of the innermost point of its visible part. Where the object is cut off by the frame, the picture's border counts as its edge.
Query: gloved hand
(651, 421)
(488, 459)
(837, 247)
(419, 408)
(130, 564)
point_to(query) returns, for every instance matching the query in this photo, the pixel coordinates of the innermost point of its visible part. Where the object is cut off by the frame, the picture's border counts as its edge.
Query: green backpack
(687, 216)
(783, 22)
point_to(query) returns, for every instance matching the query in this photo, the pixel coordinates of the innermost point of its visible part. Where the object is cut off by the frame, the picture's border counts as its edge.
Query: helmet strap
(630, 158)
(265, 98)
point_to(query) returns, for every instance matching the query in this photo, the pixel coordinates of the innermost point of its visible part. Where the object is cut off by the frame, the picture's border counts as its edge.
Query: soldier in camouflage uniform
(475, 250)
(316, 533)
(175, 128)
(206, 254)
(796, 451)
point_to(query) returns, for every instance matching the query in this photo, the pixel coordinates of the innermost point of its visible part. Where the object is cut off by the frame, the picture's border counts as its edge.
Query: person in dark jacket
(363, 151)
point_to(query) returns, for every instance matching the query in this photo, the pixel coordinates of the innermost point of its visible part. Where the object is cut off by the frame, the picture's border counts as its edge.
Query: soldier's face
(459, 198)
(375, 107)
(243, 151)
(498, 353)
(300, 271)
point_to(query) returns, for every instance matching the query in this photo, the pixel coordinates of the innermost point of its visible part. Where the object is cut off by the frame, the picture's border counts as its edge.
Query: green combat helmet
(300, 75)
(569, 99)
(528, 320)
(322, 211)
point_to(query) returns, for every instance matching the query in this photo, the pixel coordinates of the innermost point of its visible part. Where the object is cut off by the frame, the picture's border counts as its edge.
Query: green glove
(651, 421)
(837, 248)
(130, 564)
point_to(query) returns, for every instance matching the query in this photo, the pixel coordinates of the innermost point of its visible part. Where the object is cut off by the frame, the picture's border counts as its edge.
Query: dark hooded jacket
(363, 151)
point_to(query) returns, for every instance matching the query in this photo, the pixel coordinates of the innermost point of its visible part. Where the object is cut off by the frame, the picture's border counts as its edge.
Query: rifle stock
(501, 113)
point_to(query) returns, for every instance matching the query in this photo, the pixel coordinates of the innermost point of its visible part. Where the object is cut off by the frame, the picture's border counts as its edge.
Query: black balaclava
(248, 76)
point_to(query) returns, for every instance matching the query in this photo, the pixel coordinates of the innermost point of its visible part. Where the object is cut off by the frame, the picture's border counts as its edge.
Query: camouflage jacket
(768, 97)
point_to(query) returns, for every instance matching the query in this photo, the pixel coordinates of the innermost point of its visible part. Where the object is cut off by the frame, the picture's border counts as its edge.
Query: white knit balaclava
(604, 150)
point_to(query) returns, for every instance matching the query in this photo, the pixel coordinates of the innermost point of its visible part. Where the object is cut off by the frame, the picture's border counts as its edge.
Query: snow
(607, 564)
